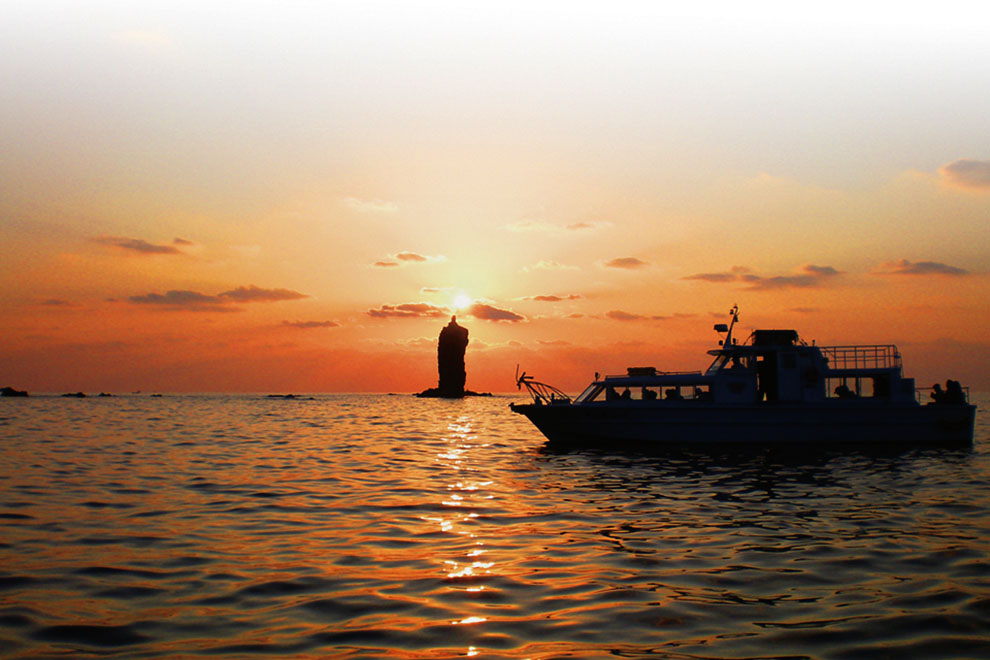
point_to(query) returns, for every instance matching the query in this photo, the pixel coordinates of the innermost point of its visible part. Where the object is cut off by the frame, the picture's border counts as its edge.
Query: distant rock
(10, 391)
(105, 394)
(451, 347)
(75, 395)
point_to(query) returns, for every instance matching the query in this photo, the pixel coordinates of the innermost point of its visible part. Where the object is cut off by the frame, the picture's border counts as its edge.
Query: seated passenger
(649, 395)
(937, 395)
(626, 395)
(843, 392)
(672, 393)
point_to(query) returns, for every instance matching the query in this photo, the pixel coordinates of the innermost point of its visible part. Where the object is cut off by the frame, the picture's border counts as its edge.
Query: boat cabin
(771, 366)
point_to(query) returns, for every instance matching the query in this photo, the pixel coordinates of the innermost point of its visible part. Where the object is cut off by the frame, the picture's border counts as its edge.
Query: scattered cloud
(548, 265)
(619, 315)
(572, 296)
(588, 226)
(527, 226)
(376, 206)
(187, 300)
(731, 276)
(253, 293)
(905, 267)
(409, 311)
(138, 245)
(804, 310)
(489, 313)
(402, 258)
(628, 263)
(223, 302)
(56, 302)
(543, 227)
(311, 324)
(968, 174)
(181, 241)
(807, 276)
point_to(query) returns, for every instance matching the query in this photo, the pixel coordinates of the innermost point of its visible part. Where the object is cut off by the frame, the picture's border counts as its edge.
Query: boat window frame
(589, 393)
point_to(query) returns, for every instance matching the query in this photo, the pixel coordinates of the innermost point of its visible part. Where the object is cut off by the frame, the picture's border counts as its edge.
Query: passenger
(649, 395)
(736, 364)
(954, 392)
(843, 392)
(673, 394)
(626, 395)
(937, 394)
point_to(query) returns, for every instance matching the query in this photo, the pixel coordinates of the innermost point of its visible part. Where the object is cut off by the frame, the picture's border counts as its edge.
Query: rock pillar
(450, 360)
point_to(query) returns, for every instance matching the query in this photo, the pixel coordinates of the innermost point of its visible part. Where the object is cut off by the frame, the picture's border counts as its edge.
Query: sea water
(370, 526)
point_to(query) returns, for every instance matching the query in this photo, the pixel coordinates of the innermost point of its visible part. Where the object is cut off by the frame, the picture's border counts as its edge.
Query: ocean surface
(372, 526)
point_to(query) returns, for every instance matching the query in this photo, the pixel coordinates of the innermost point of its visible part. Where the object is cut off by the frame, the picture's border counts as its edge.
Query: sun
(462, 300)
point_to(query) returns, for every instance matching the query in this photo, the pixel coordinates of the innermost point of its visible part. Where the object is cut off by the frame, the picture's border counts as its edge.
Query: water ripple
(372, 526)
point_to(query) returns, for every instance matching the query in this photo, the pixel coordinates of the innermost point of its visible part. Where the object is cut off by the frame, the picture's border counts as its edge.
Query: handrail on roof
(876, 356)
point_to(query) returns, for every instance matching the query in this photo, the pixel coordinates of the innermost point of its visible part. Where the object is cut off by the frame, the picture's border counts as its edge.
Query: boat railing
(542, 393)
(658, 373)
(878, 356)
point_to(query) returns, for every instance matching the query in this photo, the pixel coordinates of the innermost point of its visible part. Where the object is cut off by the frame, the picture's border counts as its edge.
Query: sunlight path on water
(365, 526)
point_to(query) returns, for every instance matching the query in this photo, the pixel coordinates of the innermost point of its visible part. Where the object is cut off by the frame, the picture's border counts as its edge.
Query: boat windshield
(717, 364)
(589, 393)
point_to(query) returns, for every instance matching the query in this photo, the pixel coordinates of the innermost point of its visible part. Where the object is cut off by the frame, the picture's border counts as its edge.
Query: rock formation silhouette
(451, 348)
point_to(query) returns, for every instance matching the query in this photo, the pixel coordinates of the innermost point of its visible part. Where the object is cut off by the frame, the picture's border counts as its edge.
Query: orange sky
(292, 197)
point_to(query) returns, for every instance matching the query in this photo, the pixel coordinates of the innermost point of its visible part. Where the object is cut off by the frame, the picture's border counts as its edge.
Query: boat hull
(799, 425)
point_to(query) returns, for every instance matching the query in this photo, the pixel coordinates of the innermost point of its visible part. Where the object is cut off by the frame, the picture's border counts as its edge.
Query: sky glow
(297, 196)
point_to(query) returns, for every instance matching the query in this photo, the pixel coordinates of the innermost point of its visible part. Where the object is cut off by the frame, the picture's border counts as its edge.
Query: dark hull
(859, 423)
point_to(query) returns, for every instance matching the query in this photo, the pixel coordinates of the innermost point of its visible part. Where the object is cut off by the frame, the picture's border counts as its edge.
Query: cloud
(628, 263)
(311, 324)
(730, 276)
(370, 205)
(187, 300)
(223, 302)
(905, 267)
(572, 296)
(968, 174)
(619, 315)
(489, 313)
(409, 311)
(526, 226)
(548, 265)
(56, 302)
(257, 294)
(809, 275)
(402, 258)
(181, 241)
(543, 227)
(588, 226)
(137, 245)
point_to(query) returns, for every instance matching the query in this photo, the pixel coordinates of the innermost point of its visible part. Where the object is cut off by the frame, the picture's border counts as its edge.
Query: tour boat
(771, 389)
